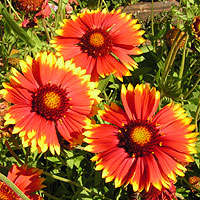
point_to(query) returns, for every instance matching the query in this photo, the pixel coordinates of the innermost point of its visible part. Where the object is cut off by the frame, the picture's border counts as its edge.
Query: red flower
(28, 180)
(164, 194)
(33, 10)
(196, 27)
(100, 42)
(139, 147)
(52, 98)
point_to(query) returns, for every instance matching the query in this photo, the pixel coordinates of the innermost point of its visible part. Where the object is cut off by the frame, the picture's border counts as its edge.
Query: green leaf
(15, 27)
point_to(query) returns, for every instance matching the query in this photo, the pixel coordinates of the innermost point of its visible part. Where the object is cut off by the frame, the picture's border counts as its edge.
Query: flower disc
(100, 42)
(6, 193)
(196, 27)
(29, 5)
(51, 98)
(50, 101)
(139, 147)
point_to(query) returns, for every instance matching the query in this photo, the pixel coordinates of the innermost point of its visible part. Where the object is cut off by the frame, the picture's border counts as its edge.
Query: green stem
(14, 10)
(171, 56)
(27, 155)
(50, 27)
(15, 27)
(152, 26)
(191, 90)
(197, 116)
(100, 7)
(73, 183)
(13, 187)
(98, 4)
(49, 195)
(58, 13)
(152, 21)
(105, 5)
(13, 153)
(191, 186)
(66, 181)
(182, 62)
(46, 30)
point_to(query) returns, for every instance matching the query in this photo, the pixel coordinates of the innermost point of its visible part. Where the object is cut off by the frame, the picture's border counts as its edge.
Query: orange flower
(28, 180)
(100, 42)
(51, 96)
(139, 147)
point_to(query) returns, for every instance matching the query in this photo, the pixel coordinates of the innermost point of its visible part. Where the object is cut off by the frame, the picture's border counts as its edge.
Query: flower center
(29, 5)
(6, 193)
(198, 26)
(50, 101)
(96, 39)
(139, 137)
(96, 43)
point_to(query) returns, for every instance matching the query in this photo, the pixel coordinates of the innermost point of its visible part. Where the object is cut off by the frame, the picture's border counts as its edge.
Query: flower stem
(191, 90)
(73, 183)
(49, 195)
(14, 10)
(197, 115)
(13, 153)
(50, 27)
(13, 187)
(46, 30)
(105, 5)
(98, 4)
(182, 62)
(152, 21)
(58, 13)
(171, 56)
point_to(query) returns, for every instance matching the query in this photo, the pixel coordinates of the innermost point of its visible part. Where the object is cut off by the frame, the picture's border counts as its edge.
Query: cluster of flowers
(55, 96)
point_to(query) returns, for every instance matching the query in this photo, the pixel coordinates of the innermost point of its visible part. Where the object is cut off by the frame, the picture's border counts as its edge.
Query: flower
(4, 131)
(32, 10)
(196, 27)
(51, 97)
(28, 180)
(29, 5)
(194, 181)
(171, 37)
(164, 194)
(100, 42)
(13, 60)
(139, 147)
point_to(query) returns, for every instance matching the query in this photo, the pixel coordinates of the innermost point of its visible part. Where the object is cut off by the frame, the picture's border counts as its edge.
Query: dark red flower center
(196, 24)
(96, 43)
(50, 101)
(6, 193)
(29, 5)
(139, 138)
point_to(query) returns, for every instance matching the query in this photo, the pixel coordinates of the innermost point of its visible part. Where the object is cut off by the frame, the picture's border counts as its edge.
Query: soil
(143, 9)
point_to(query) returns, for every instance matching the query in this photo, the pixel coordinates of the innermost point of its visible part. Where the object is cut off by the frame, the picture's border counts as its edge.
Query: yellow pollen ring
(96, 39)
(52, 100)
(140, 135)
